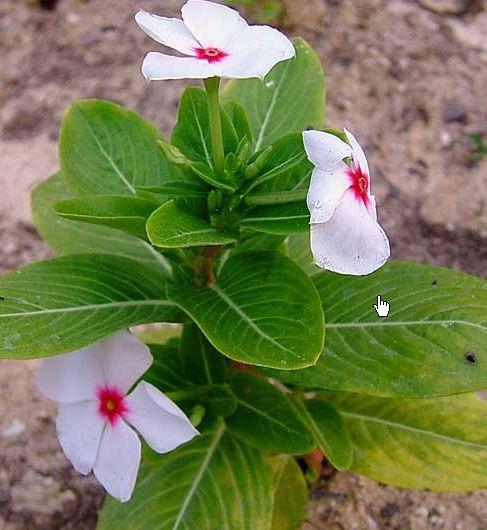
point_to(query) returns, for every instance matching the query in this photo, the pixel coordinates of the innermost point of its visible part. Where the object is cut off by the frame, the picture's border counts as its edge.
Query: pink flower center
(359, 183)
(111, 403)
(212, 55)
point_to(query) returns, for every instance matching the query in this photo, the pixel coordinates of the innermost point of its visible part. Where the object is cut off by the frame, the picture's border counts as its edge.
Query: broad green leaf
(174, 190)
(173, 227)
(67, 303)
(71, 237)
(434, 444)
(191, 361)
(328, 430)
(213, 482)
(166, 372)
(280, 219)
(192, 131)
(437, 317)
(290, 493)
(107, 149)
(290, 99)
(121, 212)
(169, 373)
(299, 249)
(266, 418)
(221, 401)
(285, 167)
(268, 311)
(251, 241)
(199, 359)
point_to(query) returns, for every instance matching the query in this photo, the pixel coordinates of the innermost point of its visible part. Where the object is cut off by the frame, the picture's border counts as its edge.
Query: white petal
(325, 150)
(79, 429)
(162, 423)
(358, 153)
(351, 242)
(171, 32)
(157, 67)
(125, 359)
(372, 207)
(212, 24)
(255, 51)
(325, 192)
(118, 460)
(72, 377)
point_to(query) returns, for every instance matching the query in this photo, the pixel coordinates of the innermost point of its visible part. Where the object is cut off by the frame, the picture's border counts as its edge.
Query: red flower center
(359, 184)
(212, 55)
(112, 405)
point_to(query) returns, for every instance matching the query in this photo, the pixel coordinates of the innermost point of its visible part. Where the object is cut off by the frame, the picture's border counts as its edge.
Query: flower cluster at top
(345, 235)
(97, 411)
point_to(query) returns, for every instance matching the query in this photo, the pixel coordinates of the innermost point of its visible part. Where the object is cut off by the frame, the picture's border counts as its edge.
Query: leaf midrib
(403, 323)
(415, 430)
(272, 104)
(247, 319)
(272, 419)
(105, 154)
(201, 471)
(88, 307)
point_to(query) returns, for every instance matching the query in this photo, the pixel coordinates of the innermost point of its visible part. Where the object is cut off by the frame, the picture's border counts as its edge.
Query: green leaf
(281, 219)
(71, 237)
(67, 303)
(192, 131)
(221, 401)
(269, 312)
(191, 361)
(166, 372)
(213, 482)
(106, 149)
(328, 430)
(239, 119)
(284, 168)
(437, 317)
(172, 227)
(265, 417)
(121, 212)
(290, 99)
(174, 190)
(290, 494)
(299, 249)
(203, 364)
(434, 444)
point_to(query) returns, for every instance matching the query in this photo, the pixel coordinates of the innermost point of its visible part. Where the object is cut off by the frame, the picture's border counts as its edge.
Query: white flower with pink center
(345, 235)
(95, 412)
(216, 41)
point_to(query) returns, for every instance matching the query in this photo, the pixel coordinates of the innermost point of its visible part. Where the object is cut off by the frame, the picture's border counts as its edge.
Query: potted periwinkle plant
(247, 228)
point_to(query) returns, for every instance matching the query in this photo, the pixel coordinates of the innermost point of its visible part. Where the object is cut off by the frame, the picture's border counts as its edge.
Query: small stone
(454, 111)
(445, 138)
(15, 429)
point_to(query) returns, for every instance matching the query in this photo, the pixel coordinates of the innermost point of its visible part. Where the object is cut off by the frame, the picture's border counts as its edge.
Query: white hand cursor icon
(382, 307)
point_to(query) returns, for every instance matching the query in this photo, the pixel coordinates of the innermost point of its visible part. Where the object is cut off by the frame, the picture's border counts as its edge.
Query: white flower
(217, 42)
(345, 235)
(95, 411)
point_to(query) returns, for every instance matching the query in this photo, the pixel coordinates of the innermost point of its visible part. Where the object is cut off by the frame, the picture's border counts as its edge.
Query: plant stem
(212, 85)
(279, 197)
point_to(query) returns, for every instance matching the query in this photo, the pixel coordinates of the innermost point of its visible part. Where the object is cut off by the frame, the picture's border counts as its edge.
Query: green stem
(280, 197)
(212, 85)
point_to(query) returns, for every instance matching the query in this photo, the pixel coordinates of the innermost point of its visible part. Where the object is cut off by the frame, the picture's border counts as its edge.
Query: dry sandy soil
(409, 77)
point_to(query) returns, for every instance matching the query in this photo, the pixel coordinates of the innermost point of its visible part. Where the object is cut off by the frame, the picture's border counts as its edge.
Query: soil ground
(408, 77)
